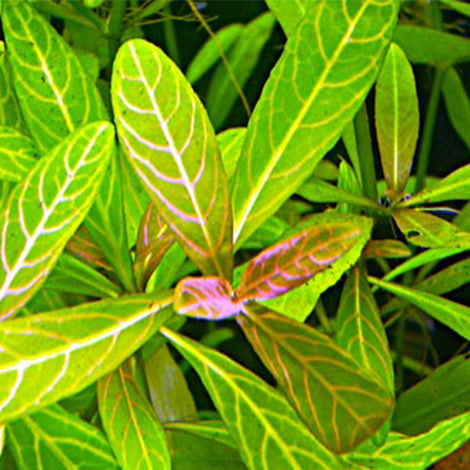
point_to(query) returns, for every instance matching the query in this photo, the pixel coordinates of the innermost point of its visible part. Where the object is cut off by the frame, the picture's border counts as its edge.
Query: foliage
(137, 200)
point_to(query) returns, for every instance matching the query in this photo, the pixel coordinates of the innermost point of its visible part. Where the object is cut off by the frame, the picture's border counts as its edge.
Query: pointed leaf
(230, 143)
(396, 119)
(168, 138)
(289, 14)
(308, 105)
(295, 260)
(207, 298)
(46, 357)
(331, 392)
(209, 54)
(137, 437)
(45, 210)
(55, 94)
(385, 249)
(264, 426)
(360, 330)
(18, 154)
(55, 438)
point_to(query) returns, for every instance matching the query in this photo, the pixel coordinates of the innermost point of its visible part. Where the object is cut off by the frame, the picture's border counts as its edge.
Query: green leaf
(442, 395)
(93, 3)
(169, 393)
(213, 430)
(265, 428)
(2, 438)
(451, 314)
(46, 357)
(54, 438)
(209, 54)
(299, 303)
(55, 94)
(309, 106)
(173, 149)
(289, 14)
(340, 402)
(430, 46)
(385, 249)
(18, 154)
(461, 7)
(46, 208)
(396, 119)
(242, 59)
(423, 229)
(416, 453)
(457, 103)
(169, 269)
(347, 181)
(230, 143)
(136, 435)
(269, 233)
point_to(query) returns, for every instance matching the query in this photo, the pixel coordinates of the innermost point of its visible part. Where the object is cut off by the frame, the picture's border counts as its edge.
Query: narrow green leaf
(269, 233)
(45, 210)
(38, 367)
(55, 94)
(183, 173)
(54, 438)
(341, 403)
(416, 453)
(230, 143)
(360, 331)
(213, 430)
(18, 154)
(385, 249)
(451, 314)
(136, 435)
(442, 395)
(423, 229)
(396, 119)
(2, 438)
(209, 54)
(169, 393)
(264, 426)
(169, 269)
(457, 103)
(310, 105)
(289, 14)
(431, 46)
(242, 58)
(461, 7)
(347, 181)
(349, 140)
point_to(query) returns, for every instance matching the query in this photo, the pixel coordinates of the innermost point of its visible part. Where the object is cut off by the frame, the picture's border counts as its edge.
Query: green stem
(116, 25)
(428, 131)
(366, 156)
(170, 35)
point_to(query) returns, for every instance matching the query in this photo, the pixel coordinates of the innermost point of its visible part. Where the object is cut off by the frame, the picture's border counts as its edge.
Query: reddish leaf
(295, 260)
(153, 240)
(85, 248)
(386, 249)
(208, 298)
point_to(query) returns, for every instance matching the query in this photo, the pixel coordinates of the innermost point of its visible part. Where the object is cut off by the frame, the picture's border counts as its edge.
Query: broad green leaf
(213, 430)
(299, 303)
(457, 103)
(289, 14)
(77, 277)
(386, 249)
(18, 154)
(10, 114)
(340, 402)
(461, 7)
(453, 187)
(168, 138)
(209, 54)
(416, 453)
(207, 298)
(442, 395)
(396, 119)
(46, 208)
(430, 46)
(46, 357)
(56, 439)
(153, 241)
(230, 143)
(136, 435)
(242, 59)
(169, 393)
(360, 331)
(451, 314)
(295, 260)
(264, 426)
(315, 89)
(427, 230)
(55, 94)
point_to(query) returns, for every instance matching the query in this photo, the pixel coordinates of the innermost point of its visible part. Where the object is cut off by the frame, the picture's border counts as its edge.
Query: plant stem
(116, 25)
(366, 156)
(323, 317)
(170, 35)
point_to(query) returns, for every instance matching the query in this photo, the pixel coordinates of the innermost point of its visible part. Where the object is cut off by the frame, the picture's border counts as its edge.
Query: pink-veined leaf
(209, 298)
(290, 263)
